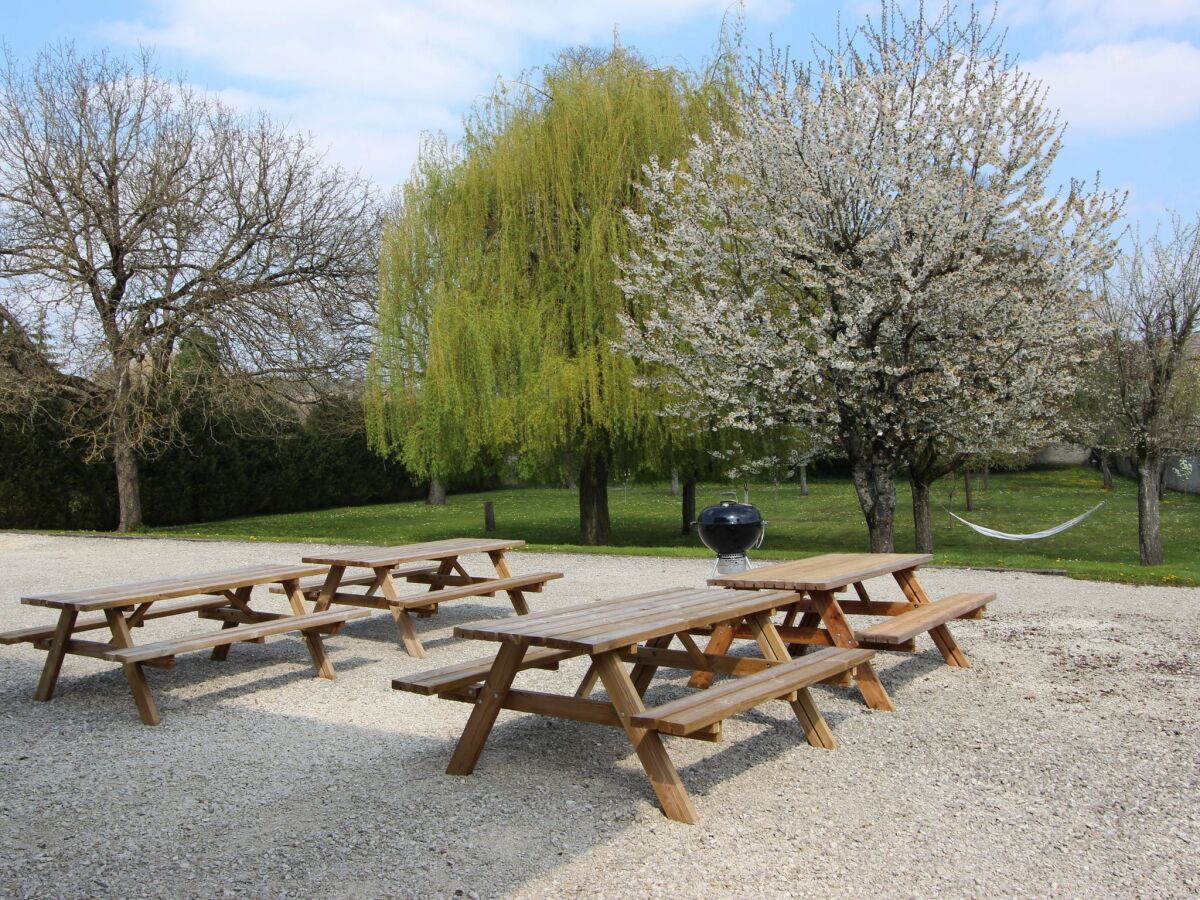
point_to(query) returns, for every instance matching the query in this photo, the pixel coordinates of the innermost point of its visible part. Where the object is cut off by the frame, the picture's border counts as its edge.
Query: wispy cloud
(1090, 21)
(368, 76)
(1123, 88)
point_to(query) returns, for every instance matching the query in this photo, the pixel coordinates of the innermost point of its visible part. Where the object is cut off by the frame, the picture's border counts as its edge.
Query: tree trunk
(804, 481)
(689, 505)
(674, 482)
(437, 493)
(876, 489)
(922, 520)
(746, 492)
(1106, 471)
(129, 487)
(1162, 480)
(970, 501)
(1149, 534)
(594, 526)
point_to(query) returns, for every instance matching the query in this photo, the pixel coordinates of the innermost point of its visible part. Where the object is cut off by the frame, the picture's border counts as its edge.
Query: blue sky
(367, 77)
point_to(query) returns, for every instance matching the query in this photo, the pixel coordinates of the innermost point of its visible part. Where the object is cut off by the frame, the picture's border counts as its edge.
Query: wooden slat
(728, 698)
(593, 712)
(920, 619)
(313, 585)
(371, 557)
(478, 589)
(826, 572)
(464, 674)
(234, 635)
(596, 628)
(678, 659)
(165, 588)
(41, 632)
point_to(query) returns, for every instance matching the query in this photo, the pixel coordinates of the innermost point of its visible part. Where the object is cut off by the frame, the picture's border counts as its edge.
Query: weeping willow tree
(498, 308)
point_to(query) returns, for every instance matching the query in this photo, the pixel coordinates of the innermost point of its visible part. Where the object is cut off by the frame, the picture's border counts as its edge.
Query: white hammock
(1037, 535)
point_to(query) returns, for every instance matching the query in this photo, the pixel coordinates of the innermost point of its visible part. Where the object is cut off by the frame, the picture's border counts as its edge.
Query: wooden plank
(920, 619)
(313, 586)
(630, 621)
(371, 557)
(664, 778)
(678, 659)
(485, 588)
(826, 572)
(98, 649)
(591, 712)
(158, 611)
(306, 622)
(566, 618)
(459, 675)
(736, 695)
(99, 598)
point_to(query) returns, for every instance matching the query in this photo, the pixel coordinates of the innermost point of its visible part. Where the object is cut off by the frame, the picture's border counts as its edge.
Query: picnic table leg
(718, 643)
(487, 707)
(590, 677)
(312, 637)
(333, 578)
(503, 571)
(241, 597)
(142, 697)
(816, 729)
(54, 657)
(641, 674)
(404, 622)
(942, 638)
(672, 795)
(839, 629)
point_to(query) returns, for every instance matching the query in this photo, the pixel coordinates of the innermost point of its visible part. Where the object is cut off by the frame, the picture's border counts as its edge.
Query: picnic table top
(165, 588)
(826, 572)
(611, 624)
(370, 557)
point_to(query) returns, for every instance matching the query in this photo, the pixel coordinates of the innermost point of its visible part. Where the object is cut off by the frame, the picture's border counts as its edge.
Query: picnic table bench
(822, 617)
(638, 631)
(224, 596)
(447, 579)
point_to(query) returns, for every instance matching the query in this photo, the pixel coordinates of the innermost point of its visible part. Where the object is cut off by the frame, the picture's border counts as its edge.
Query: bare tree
(1147, 406)
(134, 211)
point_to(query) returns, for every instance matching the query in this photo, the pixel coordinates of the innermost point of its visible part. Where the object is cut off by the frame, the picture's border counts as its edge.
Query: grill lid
(730, 512)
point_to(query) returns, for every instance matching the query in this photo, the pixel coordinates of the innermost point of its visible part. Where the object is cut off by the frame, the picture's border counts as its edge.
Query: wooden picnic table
(447, 579)
(822, 617)
(638, 631)
(222, 596)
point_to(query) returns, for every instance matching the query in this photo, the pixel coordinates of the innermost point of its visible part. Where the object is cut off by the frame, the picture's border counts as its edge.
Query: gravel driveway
(1065, 763)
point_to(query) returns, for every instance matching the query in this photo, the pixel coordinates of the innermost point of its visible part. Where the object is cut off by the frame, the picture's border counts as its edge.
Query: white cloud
(1084, 21)
(1123, 88)
(368, 76)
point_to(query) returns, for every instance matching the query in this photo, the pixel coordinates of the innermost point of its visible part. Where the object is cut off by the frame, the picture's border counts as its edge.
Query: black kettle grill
(729, 529)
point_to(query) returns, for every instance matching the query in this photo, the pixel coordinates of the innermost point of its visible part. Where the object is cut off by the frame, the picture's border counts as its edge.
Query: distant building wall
(1188, 485)
(1062, 455)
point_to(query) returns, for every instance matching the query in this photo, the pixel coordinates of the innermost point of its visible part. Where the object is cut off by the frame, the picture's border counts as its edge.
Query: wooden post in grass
(489, 516)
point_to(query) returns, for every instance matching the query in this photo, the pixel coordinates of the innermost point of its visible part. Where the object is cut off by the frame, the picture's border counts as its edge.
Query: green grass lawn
(646, 520)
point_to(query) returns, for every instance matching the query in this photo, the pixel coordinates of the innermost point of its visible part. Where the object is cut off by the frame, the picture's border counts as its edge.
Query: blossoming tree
(1145, 402)
(872, 254)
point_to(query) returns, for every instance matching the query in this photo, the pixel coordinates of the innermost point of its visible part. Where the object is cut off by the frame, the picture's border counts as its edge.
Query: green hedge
(219, 472)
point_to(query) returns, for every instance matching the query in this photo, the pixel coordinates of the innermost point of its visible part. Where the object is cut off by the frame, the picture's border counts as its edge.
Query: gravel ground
(1064, 763)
